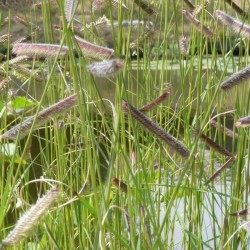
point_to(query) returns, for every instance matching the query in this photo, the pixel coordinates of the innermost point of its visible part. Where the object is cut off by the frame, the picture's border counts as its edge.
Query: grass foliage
(122, 187)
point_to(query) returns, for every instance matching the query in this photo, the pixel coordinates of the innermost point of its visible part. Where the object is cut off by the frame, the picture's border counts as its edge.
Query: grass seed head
(31, 218)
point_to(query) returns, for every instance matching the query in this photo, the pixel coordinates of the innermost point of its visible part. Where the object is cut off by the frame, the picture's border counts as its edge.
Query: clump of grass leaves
(160, 176)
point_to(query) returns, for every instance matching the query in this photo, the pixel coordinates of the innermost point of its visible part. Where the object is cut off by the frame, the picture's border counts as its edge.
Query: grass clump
(64, 123)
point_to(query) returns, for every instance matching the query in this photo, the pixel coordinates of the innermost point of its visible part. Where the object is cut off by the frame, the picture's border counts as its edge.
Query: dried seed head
(213, 144)
(4, 38)
(227, 164)
(242, 212)
(145, 7)
(4, 83)
(19, 59)
(26, 72)
(94, 51)
(237, 26)
(23, 129)
(119, 184)
(69, 8)
(183, 45)
(106, 68)
(236, 79)
(155, 129)
(24, 39)
(101, 22)
(197, 24)
(40, 50)
(189, 4)
(228, 132)
(30, 218)
(243, 122)
(154, 103)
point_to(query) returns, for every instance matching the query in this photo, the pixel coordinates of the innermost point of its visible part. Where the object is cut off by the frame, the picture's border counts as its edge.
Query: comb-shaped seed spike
(40, 50)
(23, 129)
(155, 129)
(237, 26)
(30, 218)
(94, 51)
(197, 24)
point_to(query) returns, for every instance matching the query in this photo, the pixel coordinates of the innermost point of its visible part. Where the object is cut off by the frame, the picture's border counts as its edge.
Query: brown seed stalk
(154, 103)
(237, 8)
(228, 132)
(19, 59)
(220, 170)
(24, 22)
(145, 7)
(94, 51)
(213, 144)
(155, 129)
(23, 129)
(236, 79)
(23, 39)
(243, 122)
(242, 212)
(197, 24)
(40, 50)
(189, 4)
(26, 72)
(119, 184)
(4, 38)
(237, 26)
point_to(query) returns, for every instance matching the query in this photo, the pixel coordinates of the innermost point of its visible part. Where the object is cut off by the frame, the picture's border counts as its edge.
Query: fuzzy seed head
(30, 218)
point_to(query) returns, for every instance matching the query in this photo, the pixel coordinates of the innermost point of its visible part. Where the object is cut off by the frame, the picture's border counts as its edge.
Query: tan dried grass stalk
(19, 59)
(40, 50)
(197, 24)
(106, 68)
(4, 38)
(102, 21)
(24, 22)
(242, 212)
(30, 218)
(4, 83)
(26, 72)
(119, 184)
(189, 4)
(145, 7)
(183, 45)
(237, 26)
(69, 8)
(155, 129)
(154, 103)
(228, 132)
(23, 129)
(236, 79)
(94, 51)
(237, 8)
(243, 122)
(220, 170)
(213, 144)
(24, 39)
